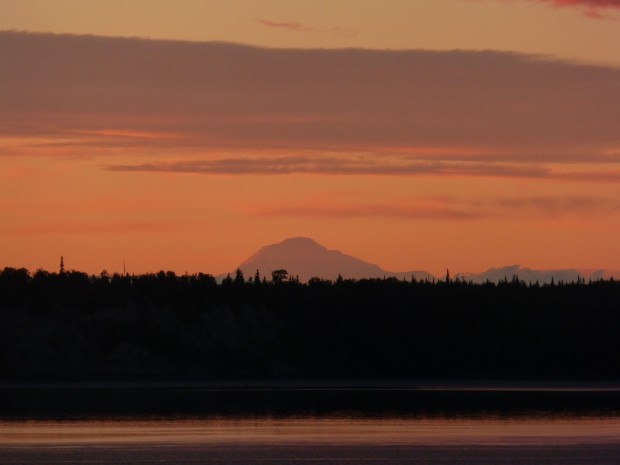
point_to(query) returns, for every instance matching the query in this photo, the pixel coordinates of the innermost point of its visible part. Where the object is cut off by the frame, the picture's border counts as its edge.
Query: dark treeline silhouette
(70, 324)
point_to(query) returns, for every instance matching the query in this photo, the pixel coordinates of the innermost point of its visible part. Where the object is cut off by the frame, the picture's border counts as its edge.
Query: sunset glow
(422, 135)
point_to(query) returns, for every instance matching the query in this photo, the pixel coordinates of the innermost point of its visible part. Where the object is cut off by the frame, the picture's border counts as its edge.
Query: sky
(414, 134)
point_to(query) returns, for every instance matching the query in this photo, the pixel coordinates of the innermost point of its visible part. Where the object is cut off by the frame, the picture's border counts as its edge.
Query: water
(274, 426)
(313, 441)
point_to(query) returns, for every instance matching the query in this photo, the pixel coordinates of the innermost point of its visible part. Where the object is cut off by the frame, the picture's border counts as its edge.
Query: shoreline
(424, 384)
(242, 399)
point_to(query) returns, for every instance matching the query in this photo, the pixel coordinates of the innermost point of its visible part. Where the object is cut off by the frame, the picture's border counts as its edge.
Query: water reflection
(72, 425)
(334, 431)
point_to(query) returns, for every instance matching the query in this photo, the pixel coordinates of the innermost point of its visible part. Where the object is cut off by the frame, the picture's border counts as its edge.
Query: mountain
(304, 257)
(542, 276)
(524, 274)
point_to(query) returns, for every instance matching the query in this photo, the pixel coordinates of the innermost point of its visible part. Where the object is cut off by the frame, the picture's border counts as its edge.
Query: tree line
(71, 324)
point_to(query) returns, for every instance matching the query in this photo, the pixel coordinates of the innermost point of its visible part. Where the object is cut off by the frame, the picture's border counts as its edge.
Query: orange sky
(402, 151)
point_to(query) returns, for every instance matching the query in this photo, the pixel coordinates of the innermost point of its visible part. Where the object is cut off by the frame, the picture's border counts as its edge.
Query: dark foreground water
(95, 424)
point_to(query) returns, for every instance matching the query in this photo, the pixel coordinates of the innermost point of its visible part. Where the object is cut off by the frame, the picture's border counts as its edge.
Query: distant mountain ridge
(529, 275)
(305, 258)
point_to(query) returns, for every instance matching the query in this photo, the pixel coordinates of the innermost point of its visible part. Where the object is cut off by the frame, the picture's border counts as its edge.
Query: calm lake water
(272, 427)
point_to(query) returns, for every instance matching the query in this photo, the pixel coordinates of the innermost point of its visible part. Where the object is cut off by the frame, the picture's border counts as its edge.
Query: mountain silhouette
(530, 275)
(306, 258)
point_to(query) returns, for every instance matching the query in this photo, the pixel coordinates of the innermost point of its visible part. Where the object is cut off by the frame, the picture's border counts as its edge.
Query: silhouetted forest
(70, 324)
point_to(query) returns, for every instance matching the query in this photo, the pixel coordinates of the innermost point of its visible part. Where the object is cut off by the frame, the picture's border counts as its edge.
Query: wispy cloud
(89, 227)
(356, 165)
(438, 213)
(589, 3)
(447, 208)
(595, 9)
(299, 27)
(344, 165)
(554, 206)
(504, 114)
(293, 26)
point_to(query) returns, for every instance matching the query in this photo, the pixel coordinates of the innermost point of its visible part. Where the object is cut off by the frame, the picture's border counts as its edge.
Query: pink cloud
(588, 3)
(554, 206)
(451, 209)
(590, 8)
(88, 227)
(286, 25)
(299, 27)
(343, 165)
(399, 112)
(383, 210)
(355, 165)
